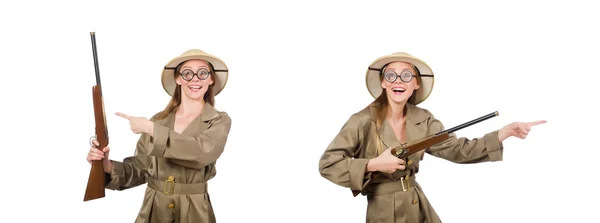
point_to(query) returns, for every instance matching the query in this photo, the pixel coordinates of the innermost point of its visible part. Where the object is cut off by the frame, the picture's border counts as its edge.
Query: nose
(398, 80)
(195, 78)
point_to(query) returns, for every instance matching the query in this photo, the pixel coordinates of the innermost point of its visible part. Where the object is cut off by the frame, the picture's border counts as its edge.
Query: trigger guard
(92, 141)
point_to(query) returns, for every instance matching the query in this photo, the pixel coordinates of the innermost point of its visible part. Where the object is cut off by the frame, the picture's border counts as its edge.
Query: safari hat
(423, 70)
(220, 70)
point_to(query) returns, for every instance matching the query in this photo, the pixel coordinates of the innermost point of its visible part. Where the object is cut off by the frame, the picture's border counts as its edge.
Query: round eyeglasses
(188, 74)
(405, 76)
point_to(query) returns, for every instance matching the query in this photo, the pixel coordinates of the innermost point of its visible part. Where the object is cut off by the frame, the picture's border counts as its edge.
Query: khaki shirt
(345, 159)
(176, 168)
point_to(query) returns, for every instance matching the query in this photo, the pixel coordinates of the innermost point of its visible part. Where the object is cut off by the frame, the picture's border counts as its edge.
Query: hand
(517, 129)
(385, 162)
(138, 124)
(96, 154)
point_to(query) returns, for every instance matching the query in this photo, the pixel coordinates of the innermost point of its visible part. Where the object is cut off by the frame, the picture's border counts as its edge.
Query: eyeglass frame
(194, 74)
(399, 75)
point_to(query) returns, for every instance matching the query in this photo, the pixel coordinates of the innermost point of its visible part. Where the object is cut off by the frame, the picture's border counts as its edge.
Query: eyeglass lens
(405, 76)
(188, 74)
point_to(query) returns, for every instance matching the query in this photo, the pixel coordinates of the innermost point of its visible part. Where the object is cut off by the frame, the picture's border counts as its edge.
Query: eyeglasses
(406, 76)
(188, 74)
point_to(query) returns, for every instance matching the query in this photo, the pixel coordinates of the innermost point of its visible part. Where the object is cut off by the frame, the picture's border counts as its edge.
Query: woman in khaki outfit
(178, 147)
(359, 157)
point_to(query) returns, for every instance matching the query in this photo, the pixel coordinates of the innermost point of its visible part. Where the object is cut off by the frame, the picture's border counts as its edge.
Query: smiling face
(190, 78)
(399, 91)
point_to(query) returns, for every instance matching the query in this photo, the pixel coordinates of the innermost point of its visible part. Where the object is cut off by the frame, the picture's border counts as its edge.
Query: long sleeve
(463, 150)
(132, 171)
(191, 152)
(340, 163)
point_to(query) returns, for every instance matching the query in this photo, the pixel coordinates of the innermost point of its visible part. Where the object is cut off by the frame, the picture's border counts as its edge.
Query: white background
(296, 75)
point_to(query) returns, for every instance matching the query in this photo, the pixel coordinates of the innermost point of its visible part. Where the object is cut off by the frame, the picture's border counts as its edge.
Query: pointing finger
(123, 115)
(536, 123)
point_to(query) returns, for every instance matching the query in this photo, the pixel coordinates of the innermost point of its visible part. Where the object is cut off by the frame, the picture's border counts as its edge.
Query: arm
(132, 171)
(191, 152)
(463, 150)
(338, 165)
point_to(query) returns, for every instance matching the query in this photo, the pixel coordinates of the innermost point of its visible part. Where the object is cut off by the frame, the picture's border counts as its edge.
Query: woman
(178, 147)
(359, 156)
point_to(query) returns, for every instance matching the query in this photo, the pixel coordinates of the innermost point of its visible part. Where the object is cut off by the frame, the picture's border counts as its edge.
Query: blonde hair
(382, 106)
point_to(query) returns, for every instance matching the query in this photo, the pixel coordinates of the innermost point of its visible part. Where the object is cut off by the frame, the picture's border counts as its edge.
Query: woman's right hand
(385, 162)
(96, 154)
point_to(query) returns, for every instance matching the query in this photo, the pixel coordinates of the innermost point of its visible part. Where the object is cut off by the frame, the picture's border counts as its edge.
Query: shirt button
(414, 202)
(171, 205)
(409, 162)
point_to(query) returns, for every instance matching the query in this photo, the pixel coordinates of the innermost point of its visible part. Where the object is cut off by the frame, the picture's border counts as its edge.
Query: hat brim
(221, 72)
(425, 72)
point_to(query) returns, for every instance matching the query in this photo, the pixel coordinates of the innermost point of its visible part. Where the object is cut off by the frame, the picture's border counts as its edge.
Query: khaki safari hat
(220, 70)
(423, 70)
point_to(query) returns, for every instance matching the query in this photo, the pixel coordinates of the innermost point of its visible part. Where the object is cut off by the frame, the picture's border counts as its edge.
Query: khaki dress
(176, 168)
(397, 197)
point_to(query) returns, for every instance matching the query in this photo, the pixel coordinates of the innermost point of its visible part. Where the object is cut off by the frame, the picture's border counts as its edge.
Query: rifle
(95, 186)
(408, 149)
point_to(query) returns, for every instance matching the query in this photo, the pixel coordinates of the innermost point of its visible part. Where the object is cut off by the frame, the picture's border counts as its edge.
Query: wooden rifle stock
(408, 149)
(95, 186)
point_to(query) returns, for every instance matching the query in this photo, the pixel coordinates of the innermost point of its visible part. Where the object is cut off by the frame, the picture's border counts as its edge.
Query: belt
(405, 183)
(169, 186)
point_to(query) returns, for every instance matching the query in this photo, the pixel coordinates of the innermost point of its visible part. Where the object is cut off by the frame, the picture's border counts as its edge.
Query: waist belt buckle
(405, 183)
(170, 181)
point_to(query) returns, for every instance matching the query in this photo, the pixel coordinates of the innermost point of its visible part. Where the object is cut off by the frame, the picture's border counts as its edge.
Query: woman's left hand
(517, 129)
(138, 124)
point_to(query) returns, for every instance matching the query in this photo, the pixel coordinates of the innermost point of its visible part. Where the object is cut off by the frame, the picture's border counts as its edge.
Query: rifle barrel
(467, 124)
(96, 66)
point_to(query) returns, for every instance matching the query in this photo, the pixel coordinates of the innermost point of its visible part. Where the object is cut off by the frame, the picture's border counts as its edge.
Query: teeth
(398, 89)
(195, 87)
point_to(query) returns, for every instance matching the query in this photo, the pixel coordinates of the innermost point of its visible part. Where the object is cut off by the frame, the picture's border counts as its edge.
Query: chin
(399, 101)
(398, 98)
(195, 95)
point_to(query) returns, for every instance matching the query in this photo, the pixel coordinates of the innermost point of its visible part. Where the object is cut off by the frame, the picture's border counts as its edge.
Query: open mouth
(195, 88)
(398, 90)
